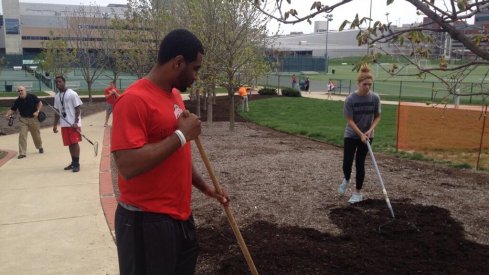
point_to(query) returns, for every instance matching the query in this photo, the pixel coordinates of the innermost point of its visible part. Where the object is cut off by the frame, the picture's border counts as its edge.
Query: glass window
(12, 26)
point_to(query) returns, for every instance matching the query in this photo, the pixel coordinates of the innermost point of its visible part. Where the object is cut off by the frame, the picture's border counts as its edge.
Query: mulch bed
(284, 198)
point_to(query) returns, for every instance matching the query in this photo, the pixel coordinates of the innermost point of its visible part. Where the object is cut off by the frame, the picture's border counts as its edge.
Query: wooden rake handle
(229, 214)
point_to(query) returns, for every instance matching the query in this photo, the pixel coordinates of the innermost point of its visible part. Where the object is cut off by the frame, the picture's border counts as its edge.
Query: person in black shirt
(29, 107)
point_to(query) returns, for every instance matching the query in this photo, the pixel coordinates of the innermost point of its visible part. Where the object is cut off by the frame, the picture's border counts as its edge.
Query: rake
(229, 214)
(95, 144)
(381, 182)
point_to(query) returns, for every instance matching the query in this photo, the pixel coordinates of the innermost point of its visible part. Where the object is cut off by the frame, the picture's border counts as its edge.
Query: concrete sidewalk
(51, 220)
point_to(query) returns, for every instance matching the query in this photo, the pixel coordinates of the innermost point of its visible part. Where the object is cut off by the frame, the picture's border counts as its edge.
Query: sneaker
(69, 167)
(21, 156)
(343, 186)
(355, 198)
(76, 168)
(41, 151)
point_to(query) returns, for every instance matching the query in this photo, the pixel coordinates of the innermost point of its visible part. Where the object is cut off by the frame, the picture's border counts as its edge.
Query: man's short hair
(60, 77)
(179, 42)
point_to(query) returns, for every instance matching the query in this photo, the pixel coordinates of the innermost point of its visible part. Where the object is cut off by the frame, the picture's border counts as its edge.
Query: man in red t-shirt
(111, 94)
(155, 230)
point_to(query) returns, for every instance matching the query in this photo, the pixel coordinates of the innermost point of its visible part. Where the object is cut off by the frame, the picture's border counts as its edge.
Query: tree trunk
(89, 85)
(210, 99)
(231, 109)
(205, 96)
(197, 95)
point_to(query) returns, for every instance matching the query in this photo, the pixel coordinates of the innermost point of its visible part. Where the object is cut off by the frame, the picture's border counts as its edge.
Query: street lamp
(329, 17)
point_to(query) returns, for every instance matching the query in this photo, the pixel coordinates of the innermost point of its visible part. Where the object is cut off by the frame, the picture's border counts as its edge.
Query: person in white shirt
(68, 104)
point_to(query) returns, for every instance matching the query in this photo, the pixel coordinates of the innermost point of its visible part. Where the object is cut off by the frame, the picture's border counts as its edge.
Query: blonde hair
(364, 73)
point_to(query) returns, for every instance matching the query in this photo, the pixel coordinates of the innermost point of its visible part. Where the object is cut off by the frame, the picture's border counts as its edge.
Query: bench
(73, 85)
(26, 84)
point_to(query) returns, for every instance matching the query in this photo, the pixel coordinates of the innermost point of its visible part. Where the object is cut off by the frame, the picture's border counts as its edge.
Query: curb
(106, 189)
(10, 154)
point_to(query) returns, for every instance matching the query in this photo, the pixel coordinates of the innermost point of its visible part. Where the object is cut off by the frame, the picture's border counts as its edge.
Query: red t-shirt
(146, 114)
(111, 99)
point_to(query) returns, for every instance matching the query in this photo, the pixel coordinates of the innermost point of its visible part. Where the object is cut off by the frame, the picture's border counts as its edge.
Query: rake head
(95, 148)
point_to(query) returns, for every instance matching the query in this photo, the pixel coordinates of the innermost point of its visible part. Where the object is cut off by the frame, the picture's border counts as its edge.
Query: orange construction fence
(424, 127)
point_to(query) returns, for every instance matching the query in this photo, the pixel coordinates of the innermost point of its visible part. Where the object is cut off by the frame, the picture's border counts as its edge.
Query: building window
(12, 26)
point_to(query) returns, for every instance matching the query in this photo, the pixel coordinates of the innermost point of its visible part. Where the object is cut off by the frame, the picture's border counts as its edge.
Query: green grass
(2, 154)
(323, 120)
(319, 119)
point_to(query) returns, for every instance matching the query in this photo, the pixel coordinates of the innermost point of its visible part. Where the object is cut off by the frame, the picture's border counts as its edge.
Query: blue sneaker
(356, 198)
(343, 187)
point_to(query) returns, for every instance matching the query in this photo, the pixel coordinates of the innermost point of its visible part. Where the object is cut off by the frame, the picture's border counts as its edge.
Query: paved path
(51, 220)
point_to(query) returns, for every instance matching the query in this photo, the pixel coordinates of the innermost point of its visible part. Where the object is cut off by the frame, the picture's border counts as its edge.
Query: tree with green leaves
(113, 46)
(445, 22)
(55, 57)
(141, 30)
(83, 30)
(234, 36)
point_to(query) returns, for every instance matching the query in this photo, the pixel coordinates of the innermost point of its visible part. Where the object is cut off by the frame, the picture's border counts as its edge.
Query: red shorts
(70, 135)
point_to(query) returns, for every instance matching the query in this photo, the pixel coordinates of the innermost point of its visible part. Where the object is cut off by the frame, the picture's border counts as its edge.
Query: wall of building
(26, 25)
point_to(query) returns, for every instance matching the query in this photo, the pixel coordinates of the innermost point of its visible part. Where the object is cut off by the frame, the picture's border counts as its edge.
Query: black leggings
(352, 145)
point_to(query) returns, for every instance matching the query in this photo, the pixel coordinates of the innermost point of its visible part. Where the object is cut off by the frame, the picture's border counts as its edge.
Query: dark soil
(284, 198)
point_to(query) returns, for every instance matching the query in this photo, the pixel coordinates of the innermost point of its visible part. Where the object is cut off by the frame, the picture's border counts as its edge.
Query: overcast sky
(400, 12)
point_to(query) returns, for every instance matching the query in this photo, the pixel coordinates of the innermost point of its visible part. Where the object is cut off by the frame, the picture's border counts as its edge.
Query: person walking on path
(331, 88)
(68, 104)
(151, 134)
(111, 95)
(306, 85)
(244, 98)
(29, 107)
(294, 82)
(362, 113)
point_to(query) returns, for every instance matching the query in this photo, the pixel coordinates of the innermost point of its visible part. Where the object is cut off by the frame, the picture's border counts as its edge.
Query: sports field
(404, 88)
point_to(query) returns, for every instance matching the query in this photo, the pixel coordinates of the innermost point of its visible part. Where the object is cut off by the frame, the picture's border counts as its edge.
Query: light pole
(329, 17)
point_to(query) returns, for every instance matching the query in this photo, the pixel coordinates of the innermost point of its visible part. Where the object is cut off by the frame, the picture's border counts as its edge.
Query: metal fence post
(400, 90)
(471, 90)
(482, 139)
(432, 90)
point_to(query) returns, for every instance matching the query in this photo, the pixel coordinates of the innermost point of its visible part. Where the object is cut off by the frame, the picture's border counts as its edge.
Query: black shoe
(76, 168)
(21, 156)
(69, 167)
(41, 151)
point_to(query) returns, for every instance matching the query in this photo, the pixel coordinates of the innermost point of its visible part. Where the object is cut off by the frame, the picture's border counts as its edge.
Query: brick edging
(106, 189)
(10, 154)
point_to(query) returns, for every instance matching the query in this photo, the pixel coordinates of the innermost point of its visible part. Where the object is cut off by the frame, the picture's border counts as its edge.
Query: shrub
(291, 92)
(267, 91)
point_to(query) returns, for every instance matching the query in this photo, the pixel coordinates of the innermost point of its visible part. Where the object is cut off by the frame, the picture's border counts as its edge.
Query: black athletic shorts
(151, 243)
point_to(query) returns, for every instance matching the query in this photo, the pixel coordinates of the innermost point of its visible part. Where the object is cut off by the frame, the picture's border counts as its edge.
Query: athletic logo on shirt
(177, 111)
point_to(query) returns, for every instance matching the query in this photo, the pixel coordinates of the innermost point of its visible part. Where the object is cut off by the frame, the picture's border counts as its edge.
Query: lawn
(319, 119)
